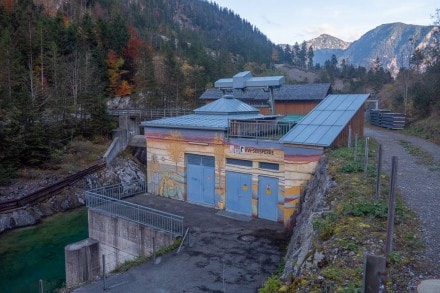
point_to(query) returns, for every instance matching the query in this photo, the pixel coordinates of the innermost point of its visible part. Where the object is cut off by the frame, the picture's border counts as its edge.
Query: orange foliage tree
(134, 45)
(117, 85)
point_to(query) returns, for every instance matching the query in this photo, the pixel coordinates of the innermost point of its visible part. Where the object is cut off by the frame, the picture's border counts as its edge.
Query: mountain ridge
(326, 41)
(392, 43)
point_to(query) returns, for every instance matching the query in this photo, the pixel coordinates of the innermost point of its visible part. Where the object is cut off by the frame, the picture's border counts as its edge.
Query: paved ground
(420, 185)
(224, 255)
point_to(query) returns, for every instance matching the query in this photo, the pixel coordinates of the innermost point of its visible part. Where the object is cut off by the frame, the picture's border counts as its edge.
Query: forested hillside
(60, 61)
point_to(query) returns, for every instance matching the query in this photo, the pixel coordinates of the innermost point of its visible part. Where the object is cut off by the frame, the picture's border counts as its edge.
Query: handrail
(109, 199)
(183, 239)
(120, 191)
(258, 129)
(150, 114)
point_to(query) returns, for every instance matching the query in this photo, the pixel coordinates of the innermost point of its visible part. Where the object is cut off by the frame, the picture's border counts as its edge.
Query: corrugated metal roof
(226, 105)
(324, 123)
(199, 121)
(287, 92)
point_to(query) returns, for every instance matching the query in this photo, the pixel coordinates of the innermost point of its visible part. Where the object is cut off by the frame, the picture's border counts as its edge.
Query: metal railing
(258, 129)
(151, 114)
(109, 199)
(120, 191)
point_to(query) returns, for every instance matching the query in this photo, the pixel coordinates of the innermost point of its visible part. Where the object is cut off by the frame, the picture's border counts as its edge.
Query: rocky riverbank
(121, 170)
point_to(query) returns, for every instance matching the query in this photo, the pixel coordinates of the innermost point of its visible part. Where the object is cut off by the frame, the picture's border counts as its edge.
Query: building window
(269, 166)
(206, 161)
(237, 162)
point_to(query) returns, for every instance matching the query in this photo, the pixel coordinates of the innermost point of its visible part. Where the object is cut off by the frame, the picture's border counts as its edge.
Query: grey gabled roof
(322, 125)
(287, 92)
(227, 105)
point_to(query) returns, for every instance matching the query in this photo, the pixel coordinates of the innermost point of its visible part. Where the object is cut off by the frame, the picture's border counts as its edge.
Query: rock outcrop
(300, 253)
(122, 170)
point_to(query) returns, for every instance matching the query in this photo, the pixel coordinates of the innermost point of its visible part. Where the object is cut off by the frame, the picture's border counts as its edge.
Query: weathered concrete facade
(167, 173)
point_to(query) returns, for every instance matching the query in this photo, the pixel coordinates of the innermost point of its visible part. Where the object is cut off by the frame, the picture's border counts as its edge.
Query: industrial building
(289, 98)
(229, 156)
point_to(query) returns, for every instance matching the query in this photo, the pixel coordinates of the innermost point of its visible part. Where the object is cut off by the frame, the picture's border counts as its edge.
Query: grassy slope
(355, 226)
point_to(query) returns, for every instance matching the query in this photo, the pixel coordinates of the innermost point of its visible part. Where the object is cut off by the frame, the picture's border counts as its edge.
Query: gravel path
(419, 183)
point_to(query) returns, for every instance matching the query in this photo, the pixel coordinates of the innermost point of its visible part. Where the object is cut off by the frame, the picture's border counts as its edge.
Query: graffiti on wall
(174, 149)
(154, 175)
(169, 187)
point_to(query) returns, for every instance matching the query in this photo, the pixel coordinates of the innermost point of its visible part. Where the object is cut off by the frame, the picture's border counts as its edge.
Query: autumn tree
(117, 85)
(131, 53)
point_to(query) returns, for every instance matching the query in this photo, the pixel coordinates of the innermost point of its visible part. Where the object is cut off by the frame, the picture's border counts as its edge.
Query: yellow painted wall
(166, 172)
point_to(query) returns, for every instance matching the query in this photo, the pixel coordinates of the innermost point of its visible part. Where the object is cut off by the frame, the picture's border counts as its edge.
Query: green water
(33, 253)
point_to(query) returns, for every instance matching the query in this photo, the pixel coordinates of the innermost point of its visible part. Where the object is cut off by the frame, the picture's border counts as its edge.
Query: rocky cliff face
(393, 43)
(121, 171)
(301, 254)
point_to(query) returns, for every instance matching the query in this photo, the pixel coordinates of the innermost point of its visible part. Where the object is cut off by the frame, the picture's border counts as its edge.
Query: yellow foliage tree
(114, 72)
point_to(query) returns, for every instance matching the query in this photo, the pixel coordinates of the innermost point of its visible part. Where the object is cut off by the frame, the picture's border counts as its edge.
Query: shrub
(325, 225)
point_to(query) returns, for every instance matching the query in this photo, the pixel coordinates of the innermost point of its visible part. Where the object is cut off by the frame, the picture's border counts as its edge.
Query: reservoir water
(37, 252)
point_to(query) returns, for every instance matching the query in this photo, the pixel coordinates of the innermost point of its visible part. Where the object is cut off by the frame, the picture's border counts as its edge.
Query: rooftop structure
(245, 80)
(215, 115)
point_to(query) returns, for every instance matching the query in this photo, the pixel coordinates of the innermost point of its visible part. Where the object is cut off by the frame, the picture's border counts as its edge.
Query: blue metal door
(200, 176)
(268, 198)
(239, 193)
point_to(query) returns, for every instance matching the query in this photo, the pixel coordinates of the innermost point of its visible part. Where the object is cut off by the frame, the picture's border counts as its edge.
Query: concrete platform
(429, 286)
(226, 254)
(138, 141)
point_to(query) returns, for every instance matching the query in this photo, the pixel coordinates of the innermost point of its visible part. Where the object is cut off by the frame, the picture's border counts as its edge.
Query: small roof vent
(228, 96)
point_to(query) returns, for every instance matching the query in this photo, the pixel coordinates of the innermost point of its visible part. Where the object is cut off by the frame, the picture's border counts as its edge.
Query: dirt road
(419, 183)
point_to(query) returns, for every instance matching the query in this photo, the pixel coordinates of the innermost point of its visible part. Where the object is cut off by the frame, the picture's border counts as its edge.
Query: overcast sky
(290, 21)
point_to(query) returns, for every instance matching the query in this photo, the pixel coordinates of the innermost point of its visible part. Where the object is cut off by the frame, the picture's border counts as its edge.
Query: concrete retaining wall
(117, 239)
(121, 240)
